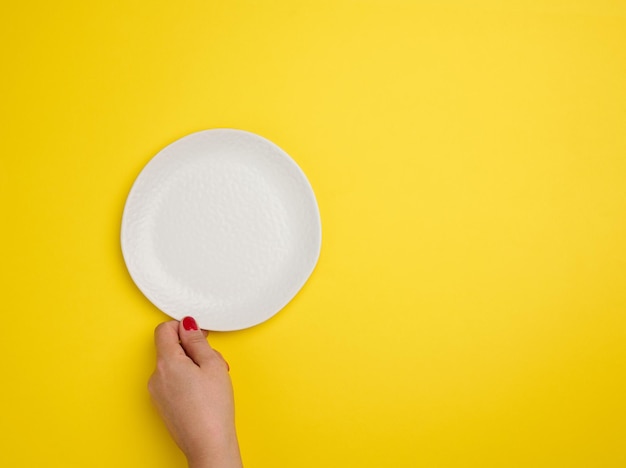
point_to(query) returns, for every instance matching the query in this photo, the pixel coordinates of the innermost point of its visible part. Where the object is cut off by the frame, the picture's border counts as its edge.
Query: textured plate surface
(221, 225)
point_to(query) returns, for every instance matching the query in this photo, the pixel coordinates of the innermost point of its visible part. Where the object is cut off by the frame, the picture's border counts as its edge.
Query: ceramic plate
(221, 225)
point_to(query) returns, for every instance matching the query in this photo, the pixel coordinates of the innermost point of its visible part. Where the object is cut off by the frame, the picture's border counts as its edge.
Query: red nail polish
(189, 323)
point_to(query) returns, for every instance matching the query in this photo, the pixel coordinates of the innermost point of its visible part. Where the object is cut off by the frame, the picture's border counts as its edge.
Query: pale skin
(192, 390)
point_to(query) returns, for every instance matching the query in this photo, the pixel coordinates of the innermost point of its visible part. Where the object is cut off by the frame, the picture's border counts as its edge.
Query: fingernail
(189, 323)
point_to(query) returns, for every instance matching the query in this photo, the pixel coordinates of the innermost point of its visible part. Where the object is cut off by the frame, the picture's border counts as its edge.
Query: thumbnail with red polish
(189, 323)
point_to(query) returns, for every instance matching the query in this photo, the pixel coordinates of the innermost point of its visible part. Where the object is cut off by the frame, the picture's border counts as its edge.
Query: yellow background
(469, 159)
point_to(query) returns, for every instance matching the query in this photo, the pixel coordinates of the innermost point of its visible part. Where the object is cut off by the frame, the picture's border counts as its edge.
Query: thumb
(194, 342)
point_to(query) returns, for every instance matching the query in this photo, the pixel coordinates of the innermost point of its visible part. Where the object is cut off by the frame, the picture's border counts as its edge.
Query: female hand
(193, 393)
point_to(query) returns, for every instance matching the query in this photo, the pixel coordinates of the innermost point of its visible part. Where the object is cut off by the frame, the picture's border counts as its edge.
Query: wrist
(223, 460)
(220, 453)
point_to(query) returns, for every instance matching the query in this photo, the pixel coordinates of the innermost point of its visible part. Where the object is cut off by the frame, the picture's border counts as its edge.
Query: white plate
(221, 225)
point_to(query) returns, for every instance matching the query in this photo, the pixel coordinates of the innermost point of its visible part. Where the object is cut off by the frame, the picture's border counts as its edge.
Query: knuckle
(160, 368)
(220, 358)
(159, 328)
(197, 338)
(152, 385)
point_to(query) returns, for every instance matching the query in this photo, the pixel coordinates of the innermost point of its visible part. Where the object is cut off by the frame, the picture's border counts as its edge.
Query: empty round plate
(221, 225)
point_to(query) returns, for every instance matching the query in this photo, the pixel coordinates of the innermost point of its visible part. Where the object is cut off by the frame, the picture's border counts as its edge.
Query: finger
(194, 342)
(166, 340)
(223, 359)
